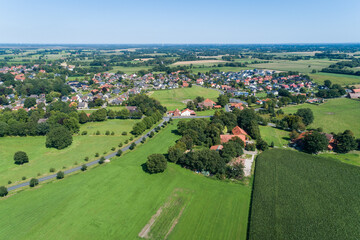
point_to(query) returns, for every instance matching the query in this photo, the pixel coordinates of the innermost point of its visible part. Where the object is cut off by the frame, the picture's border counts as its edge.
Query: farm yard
(41, 159)
(175, 98)
(117, 200)
(299, 196)
(335, 115)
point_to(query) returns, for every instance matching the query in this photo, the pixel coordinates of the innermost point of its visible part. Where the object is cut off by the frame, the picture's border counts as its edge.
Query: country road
(106, 157)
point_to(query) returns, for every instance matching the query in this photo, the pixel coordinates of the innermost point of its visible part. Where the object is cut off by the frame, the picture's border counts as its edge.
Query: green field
(128, 70)
(116, 201)
(336, 115)
(341, 79)
(300, 196)
(41, 159)
(173, 98)
(352, 157)
(303, 66)
(270, 134)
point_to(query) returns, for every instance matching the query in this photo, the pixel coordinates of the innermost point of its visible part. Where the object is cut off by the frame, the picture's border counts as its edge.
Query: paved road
(106, 157)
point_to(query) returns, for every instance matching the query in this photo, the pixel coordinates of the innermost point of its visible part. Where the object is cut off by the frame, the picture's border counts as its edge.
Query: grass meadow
(300, 196)
(303, 66)
(270, 134)
(41, 159)
(173, 98)
(341, 79)
(116, 200)
(335, 115)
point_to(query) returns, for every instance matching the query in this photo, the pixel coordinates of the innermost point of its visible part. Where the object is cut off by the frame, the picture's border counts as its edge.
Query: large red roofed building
(238, 131)
(207, 103)
(226, 138)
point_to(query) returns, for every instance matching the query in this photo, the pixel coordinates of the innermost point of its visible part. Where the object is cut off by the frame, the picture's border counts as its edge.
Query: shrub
(86, 159)
(112, 133)
(76, 163)
(119, 152)
(143, 140)
(156, 163)
(120, 145)
(124, 133)
(20, 157)
(272, 144)
(97, 132)
(39, 174)
(107, 132)
(33, 182)
(83, 167)
(126, 141)
(261, 145)
(131, 138)
(84, 133)
(9, 182)
(59, 138)
(101, 161)
(250, 147)
(60, 175)
(52, 169)
(132, 146)
(97, 154)
(3, 191)
(23, 178)
(151, 134)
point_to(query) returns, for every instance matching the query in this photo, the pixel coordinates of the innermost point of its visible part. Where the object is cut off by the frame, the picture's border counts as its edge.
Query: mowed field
(335, 115)
(41, 159)
(128, 70)
(300, 196)
(270, 134)
(117, 200)
(174, 98)
(341, 79)
(303, 66)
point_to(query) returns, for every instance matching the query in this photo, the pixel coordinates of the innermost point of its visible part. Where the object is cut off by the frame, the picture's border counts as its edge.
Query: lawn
(116, 201)
(300, 196)
(303, 66)
(41, 159)
(270, 134)
(341, 79)
(336, 115)
(173, 98)
(352, 157)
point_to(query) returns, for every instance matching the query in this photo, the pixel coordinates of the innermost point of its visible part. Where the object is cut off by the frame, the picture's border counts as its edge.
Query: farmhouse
(207, 103)
(355, 94)
(185, 113)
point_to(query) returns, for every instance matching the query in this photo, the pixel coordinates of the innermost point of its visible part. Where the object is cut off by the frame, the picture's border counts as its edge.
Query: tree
(3, 191)
(58, 137)
(327, 83)
(4, 129)
(315, 142)
(33, 182)
(29, 102)
(306, 114)
(156, 163)
(223, 100)
(345, 142)
(83, 167)
(60, 175)
(174, 153)
(21, 157)
(101, 160)
(236, 171)
(262, 145)
(232, 149)
(83, 118)
(118, 153)
(138, 128)
(132, 146)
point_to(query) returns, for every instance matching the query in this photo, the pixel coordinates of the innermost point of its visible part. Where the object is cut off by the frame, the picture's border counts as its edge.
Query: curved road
(106, 157)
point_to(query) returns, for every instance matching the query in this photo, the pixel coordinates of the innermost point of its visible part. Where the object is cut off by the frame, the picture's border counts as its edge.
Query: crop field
(270, 134)
(300, 196)
(205, 69)
(303, 66)
(128, 70)
(174, 98)
(117, 200)
(341, 79)
(335, 115)
(41, 159)
(198, 62)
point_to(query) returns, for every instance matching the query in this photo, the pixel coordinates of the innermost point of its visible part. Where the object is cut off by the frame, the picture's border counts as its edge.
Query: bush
(97, 155)
(9, 182)
(113, 149)
(39, 174)
(86, 159)
(3, 191)
(143, 140)
(131, 138)
(124, 133)
(151, 134)
(250, 147)
(60, 175)
(84, 133)
(83, 167)
(59, 138)
(156, 163)
(132, 146)
(119, 152)
(112, 133)
(52, 169)
(107, 132)
(126, 141)
(23, 178)
(120, 145)
(20, 157)
(97, 132)
(261, 145)
(33, 182)
(101, 161)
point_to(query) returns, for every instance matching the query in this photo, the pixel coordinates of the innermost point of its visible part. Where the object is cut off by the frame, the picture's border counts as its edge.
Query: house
(299, 141)
(207, 103)
(83, 105)
(187, 112)
(354, 94)
(131, 109)
(216, 147)
(238, 131)
(175, 113)
(200, 81)
(226, 138)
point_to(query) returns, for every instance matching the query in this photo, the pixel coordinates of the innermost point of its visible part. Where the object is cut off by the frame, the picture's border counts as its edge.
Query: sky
(179, 21)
